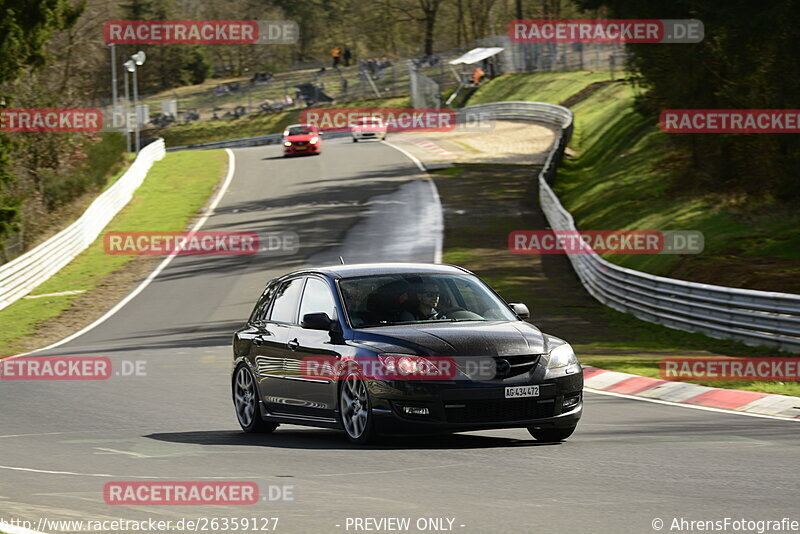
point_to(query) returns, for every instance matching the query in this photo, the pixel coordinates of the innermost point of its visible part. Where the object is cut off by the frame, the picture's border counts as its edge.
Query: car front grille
(497, 410)
(504, 367)
(518, 364)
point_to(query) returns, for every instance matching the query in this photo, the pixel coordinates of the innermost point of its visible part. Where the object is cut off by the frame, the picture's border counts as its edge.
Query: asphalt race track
(629, 462)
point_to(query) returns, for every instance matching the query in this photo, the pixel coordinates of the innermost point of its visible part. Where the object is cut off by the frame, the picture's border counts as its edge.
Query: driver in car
(428, 299)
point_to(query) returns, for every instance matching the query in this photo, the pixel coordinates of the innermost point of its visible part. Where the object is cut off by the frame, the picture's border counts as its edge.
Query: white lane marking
(408, 154)
(439, 217)
(49, 433)
(156, 272)
(692, 406)
(12, 529)
(60, 294)
(47, 472)
(106, 475)
(134, 454)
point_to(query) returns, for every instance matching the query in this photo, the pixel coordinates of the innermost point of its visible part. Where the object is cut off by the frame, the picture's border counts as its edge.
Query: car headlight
(314, 140)
(287, 143)
(562, 356)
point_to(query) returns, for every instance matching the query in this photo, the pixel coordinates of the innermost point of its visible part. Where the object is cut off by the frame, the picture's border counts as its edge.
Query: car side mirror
(316, 321)
(521, 310)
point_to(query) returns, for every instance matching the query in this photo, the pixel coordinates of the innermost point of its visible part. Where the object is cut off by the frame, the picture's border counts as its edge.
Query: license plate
(299, 148)
(516, 392)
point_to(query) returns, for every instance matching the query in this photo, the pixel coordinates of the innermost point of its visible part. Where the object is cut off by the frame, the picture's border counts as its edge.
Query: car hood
(295, 138)
(495, 338)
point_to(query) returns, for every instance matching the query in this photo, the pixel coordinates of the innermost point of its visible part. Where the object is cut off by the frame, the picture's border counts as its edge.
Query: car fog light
(569, 402)
(416, 410)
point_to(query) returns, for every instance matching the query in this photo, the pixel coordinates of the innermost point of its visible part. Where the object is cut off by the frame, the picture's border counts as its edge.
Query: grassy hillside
(619, 177)
(552, 87)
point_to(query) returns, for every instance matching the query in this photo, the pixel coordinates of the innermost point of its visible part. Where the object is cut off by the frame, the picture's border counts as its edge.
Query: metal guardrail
(753, 317)
(21, 275)
(269, 139)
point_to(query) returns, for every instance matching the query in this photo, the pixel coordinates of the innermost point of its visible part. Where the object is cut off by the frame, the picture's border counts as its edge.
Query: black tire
(355, 140)
(551, 435)
(355, 409)
(245, 402)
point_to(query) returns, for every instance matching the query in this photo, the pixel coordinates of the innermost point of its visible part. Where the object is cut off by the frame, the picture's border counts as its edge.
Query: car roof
(370, 269)
(303, 124)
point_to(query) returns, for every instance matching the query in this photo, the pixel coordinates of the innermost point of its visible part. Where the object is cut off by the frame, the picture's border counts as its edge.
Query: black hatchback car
(399, 348)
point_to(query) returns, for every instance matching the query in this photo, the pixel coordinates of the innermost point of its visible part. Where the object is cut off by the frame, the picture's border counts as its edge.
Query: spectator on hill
(347, 56)
(477, 75)
(336, 54)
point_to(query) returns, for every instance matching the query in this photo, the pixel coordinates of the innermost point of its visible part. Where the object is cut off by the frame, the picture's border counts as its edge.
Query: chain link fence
(424, 80)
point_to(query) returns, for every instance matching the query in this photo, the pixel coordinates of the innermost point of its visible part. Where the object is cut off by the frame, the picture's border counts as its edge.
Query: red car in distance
(301, 139)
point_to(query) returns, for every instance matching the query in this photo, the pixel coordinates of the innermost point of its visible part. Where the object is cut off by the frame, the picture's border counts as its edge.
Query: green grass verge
(484, 203)
(173, 192)
(552, 87)
(622, 179)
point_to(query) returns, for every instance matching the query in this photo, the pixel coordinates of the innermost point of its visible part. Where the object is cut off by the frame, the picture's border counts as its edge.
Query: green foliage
(623, 179)
(747, 60)
(167, 66)
(25, 27)
(102, 158)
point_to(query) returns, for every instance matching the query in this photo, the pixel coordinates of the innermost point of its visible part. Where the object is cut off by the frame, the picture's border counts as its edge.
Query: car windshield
(369, 122)
(420, 298)
(298, 130)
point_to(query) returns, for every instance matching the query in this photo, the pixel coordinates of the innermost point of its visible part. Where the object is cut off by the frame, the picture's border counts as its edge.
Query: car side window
(317, 298)
(285, 305)
(260, 311)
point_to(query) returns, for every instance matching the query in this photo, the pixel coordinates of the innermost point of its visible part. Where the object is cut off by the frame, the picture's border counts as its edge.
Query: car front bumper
(455, 407)
(300, 150)
(369, 135)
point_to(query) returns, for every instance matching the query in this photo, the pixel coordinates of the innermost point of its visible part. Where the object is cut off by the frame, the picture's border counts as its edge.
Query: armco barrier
(269, 139)
(21, 275)
(753, 317)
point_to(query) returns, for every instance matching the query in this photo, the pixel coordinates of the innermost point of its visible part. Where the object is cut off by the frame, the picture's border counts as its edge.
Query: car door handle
(259, 339)
(293, 344)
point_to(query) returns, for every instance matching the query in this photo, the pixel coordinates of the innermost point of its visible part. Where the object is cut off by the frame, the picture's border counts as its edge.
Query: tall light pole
(138, 59)
(130, 66)
(113, 85)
